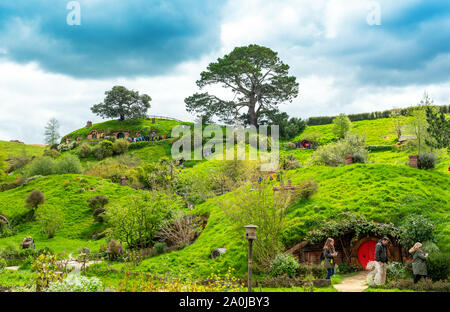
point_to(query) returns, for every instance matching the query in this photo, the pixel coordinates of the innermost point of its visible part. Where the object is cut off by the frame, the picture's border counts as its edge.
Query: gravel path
(356, 283)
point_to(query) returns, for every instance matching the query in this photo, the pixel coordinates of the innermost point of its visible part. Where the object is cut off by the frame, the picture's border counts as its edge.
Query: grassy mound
(380, 192)
(64, 191)
(14, 149)
(144, 126)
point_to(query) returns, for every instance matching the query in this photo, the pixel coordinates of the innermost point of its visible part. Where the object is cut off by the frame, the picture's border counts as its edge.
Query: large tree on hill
(123, 103)
(257, 78)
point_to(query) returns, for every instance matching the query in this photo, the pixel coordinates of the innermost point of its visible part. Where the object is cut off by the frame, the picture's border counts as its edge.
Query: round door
(366, 252)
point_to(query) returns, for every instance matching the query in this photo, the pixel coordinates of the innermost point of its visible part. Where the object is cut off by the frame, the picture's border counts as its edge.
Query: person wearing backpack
(328, 256)
(419, 264)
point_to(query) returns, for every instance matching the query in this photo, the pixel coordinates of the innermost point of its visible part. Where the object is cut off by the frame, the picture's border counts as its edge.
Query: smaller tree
(120, 146)
(50, 218)
(123, 103)
(438, 129)
(398, 121)
(34, 199)
(97, 204)
(416, 228)
(341, 125)
(85, 150)
(51, 132)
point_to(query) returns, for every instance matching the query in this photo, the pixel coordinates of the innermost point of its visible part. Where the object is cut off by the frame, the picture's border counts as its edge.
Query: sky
(57, 58)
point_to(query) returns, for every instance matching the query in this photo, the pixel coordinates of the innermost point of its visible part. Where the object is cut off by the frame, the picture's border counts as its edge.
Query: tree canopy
(258, 81)
(51, 132)
(123, 103)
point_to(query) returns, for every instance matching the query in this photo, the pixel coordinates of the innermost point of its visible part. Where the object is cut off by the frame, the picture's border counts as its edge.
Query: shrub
(307, 188)
(42, 166)
(429, 247)
(18, 161)
(107, 148)
(181, 230)
(76, 283)
(34, 199)
(50, 218)
(289, 162)
(334, 153)
(416, 228)
(438, 266)
(85, 150)
(46, 271)
(283, 281)
(379, 148)
(345, 268)
(426, 161)
(120, 146)
(291, 145)
(359, 158)
(97, 204)
(114, 249)
(66, 146)
(52, 153)
(27, 263)
(137, 221)
(68, 164)
(2, 264)
(316, 270)
(283, 264)
(422, 285)
(160, 248)
(396, 270)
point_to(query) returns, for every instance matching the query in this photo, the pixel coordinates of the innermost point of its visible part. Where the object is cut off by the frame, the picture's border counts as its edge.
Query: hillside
(379, 192)
(14, 149)
(65, 192)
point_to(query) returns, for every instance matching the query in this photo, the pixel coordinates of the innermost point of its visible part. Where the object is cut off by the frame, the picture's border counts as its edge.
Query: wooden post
(250, 263)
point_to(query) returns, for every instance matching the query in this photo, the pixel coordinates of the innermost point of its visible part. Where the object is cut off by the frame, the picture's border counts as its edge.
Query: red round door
(366, 252)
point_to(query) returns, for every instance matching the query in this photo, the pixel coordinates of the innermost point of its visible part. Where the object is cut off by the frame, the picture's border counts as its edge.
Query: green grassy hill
(65, 192)
(145, 126)
(380, 192)
(14, 149)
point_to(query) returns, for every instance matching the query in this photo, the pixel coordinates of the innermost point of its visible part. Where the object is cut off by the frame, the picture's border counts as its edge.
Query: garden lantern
(250, 234)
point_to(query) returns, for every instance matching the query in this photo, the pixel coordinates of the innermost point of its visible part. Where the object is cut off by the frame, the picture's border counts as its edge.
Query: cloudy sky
(349, 56)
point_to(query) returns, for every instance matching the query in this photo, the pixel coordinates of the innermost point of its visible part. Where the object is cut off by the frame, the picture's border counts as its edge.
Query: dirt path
(356, 283)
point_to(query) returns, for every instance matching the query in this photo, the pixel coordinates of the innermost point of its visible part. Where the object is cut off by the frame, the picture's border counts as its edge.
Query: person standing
(381, 262)
(419, 264)
(329, 253)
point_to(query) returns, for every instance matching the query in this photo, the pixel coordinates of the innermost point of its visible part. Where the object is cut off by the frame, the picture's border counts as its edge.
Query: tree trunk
(253, 119)
(122, 117)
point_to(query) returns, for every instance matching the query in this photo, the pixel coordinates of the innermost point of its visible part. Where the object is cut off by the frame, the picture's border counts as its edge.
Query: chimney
(89, 124)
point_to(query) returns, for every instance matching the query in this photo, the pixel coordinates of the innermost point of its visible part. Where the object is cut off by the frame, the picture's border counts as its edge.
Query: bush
(2, 264)
(426, 161)
(66, 146)
(34, 199)
(181, 230)
(114, 249)
(42, 166)
(316, 270)
(307, 188)
(429, 247)
(345, 268)
(359, 158)
(283, 264)
(76, 283)
(97, 204)
(52, 153)
(422, 285)
(396, 270)
(27, 263)
(289, 162)
(379, 148)
(281, 281)
(334, 153)
(68, 164)
(50, 218)
(341, 125)
(291, 145)
(438, 266)
(85, 150)
(19, 161)
(120, 146)
(416, 228)
(160, 248)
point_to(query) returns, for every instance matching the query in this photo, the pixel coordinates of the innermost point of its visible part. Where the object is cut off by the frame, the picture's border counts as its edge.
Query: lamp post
(250, 234)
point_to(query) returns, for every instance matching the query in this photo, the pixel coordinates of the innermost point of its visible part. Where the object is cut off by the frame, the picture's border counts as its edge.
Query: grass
(377, 132)
(144, 126)
(14, 149)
